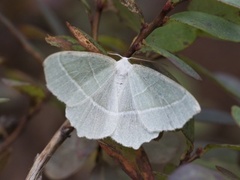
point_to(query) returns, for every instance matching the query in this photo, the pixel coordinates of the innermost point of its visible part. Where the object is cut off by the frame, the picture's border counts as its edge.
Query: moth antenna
(140, 59)
(114, 54)
(133, 58)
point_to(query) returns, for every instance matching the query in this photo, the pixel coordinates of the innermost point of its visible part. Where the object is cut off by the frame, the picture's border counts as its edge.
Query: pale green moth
(106, 98)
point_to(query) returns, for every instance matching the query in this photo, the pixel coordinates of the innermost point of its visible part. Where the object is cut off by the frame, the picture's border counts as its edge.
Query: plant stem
(149, 28)
(95, 19)
(25, 43)
(41, 159)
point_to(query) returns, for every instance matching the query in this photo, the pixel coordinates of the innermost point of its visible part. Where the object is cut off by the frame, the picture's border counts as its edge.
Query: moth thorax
(123, 67)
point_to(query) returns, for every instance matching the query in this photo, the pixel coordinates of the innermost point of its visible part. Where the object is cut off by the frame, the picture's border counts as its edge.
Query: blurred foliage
(236, 114)
(208, 148)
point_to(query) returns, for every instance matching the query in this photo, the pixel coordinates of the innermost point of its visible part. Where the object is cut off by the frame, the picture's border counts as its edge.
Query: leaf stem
(95, 18)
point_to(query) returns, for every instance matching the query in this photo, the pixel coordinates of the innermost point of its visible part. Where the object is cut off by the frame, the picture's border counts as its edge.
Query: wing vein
(93, 74)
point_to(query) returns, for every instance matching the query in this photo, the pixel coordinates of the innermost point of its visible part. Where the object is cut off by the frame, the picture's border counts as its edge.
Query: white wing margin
(73, 76)
(162, 104)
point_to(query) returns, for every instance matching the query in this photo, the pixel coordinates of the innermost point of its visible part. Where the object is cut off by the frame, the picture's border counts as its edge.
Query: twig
(10, 139)
(148, 28)
(134, 162)
(58, 138)
(27, 46)
(95, 19)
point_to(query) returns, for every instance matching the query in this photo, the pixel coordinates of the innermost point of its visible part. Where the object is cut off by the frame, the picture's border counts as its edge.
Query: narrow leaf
(175, 60)
(4, 159)
(188, 132)
(215, 116)
(235, 111)
(215, 146)
(213, 25)
(216, 8)
(132, 6)
(235, 3)
(105, 171)
(227, 173)
(86, 5)
(64, 42)
(166, 150)
(212, 77)
(230, 82)
(70, 157)
(3, 100)
(85, 40)
(160, 176)
(36, 93)
(108, 41)
(194, 171)
(127, 17)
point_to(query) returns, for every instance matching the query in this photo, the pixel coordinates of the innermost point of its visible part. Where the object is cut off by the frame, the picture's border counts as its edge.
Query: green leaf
(217, 8)
(36, 93)
(132, 6)
(105, 171)
(130, 19)
(70, 157)
(193, 171)
(166, 151)
(86, 5)
(13, 82)
(4, 159)
(174, 59)
(216, 26)
(3, 100)
(214, 116)
(235, 3)
(32, 32)
(188, 132)
(227, 173)
(160, 176)
(216, 146)
(229, 82)
(173, 36)
(234, 92)
(108, 41)
(235, 111)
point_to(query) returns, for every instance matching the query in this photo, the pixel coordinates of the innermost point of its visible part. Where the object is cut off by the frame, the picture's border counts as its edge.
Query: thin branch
(11, 138)
(148, 28)
(18, 130)
(95, 19)
(134, 162)
(40, 161)
(27, 46)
